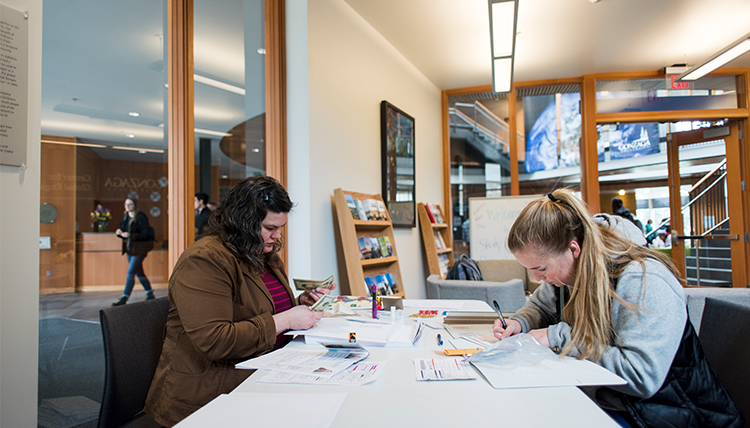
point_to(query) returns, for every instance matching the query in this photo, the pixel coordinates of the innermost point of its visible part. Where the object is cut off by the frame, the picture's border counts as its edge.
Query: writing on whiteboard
(490, 222)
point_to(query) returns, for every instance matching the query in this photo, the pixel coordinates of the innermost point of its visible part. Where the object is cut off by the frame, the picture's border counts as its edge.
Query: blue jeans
(135, 268)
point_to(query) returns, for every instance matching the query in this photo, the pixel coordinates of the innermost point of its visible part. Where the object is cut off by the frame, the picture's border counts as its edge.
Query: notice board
(490, 220)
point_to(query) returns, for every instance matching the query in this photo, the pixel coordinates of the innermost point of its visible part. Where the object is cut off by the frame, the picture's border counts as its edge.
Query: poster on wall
(14, 65)
(544, 116)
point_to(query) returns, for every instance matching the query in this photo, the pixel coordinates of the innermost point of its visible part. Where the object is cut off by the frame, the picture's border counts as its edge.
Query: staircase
(709, 261)
(486, 133)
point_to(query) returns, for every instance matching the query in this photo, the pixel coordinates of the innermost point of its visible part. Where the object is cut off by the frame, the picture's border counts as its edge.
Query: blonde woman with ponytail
(607, 298)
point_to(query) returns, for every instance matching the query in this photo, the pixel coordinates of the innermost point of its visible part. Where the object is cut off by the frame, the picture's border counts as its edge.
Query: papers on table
(369, 332)
(460, 330)
(550, 372)
(359, 374)
(320, 362)
(242, 409)
(443, 369)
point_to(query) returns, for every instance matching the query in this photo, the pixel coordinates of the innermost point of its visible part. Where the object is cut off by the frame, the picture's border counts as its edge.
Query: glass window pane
(104, 140)
(480, 156)
(551, 126)
(663, 94)
(229, 93)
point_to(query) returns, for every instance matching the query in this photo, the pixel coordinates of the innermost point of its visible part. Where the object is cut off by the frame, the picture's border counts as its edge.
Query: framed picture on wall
(397, 141)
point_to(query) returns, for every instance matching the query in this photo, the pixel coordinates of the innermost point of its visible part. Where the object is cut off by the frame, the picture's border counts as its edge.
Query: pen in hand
(497, 309)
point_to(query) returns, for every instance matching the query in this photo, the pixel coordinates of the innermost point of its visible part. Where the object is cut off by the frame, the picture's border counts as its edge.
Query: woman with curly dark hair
(230, 300)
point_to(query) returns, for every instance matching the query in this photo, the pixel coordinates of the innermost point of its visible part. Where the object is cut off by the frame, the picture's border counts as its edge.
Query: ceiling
(448, 40)
(102, 60)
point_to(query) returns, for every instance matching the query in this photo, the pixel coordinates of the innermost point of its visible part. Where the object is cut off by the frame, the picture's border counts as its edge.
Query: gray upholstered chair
(725, 328)
(510, 295)
(133, 337)
(505, 270)
(696, 297)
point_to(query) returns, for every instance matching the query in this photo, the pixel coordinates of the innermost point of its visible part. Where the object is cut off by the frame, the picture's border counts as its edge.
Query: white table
(397, 399)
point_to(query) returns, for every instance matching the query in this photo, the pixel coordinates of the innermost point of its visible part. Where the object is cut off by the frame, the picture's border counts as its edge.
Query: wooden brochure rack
(350, 230)
(430, 231)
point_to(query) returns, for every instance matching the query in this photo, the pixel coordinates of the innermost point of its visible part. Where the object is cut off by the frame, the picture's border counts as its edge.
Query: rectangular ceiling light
(722, 57)
(503, 21)
(216, 84)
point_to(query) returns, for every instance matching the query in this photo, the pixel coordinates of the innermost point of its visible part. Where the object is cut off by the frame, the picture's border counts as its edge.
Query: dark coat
(141, 239)
(692, 394)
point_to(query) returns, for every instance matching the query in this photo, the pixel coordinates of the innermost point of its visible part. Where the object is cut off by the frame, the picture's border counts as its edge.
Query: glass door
(706, 221)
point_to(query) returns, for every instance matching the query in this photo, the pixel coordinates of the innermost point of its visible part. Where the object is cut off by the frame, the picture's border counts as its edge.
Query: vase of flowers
(101, 216)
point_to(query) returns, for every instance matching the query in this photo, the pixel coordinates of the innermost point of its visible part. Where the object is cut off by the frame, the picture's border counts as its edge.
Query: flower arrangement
(101, 217)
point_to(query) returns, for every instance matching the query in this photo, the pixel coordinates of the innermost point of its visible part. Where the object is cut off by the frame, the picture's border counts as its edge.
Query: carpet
(71, 373)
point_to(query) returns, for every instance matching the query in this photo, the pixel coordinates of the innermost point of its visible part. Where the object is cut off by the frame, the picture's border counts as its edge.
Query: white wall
(334, 131)
(19, 252)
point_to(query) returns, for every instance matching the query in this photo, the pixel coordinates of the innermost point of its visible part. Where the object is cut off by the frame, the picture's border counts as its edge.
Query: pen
(439, 340)
(497, 309)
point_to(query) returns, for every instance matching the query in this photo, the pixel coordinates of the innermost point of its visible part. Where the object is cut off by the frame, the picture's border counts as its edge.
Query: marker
(502, 319)
(439, 340)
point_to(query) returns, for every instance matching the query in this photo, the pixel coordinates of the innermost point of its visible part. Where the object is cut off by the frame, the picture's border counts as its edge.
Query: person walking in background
(202, 212)
(137, 240)
(607, 298)
(649, 228)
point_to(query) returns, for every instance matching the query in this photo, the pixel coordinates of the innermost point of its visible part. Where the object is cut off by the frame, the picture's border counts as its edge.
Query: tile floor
(84, 305)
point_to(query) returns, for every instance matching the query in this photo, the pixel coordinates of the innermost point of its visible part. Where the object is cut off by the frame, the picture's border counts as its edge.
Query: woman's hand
(514, 327)
(124, 234)
(309, 297)
(297, 318)
(118, 232)
(540, 334)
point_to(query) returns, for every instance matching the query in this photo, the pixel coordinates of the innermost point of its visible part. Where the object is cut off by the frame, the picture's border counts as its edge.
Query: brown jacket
(220, 314)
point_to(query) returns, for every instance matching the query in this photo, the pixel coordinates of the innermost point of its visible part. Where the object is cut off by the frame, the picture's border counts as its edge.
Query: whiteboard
(490, 220)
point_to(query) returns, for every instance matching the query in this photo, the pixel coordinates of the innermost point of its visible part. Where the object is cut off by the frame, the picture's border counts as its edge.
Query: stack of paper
(322, 362)
(368, 332)
(550, 372)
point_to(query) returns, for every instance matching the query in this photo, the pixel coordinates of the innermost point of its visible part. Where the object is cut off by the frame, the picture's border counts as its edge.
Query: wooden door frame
(181, 106)
(735, 195)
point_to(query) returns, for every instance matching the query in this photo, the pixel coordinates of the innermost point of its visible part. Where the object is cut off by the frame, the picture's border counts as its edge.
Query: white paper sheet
(243, 409)
(312, 362)
(566, 372)
(442, 369)
(359, 374)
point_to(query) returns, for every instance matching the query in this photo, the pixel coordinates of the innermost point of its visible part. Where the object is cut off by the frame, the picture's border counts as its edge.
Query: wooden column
(589, 156)
(181, 138)
(743, 101)
(675, 203)
(448, 211)
(276, 136)
(737, 224)
(513, 142)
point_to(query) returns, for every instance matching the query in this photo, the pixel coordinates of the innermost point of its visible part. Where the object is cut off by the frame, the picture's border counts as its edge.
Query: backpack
(465, 269)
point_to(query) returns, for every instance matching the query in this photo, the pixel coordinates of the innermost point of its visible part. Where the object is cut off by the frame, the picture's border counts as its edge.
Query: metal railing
(482, 122)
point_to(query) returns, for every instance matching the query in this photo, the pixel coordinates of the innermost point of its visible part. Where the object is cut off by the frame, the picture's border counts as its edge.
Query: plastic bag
(519, 350)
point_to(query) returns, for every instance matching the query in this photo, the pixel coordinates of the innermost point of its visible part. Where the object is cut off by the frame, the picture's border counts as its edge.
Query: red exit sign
(673, 84)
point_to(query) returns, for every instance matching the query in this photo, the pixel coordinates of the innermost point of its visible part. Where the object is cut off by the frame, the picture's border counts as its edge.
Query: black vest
(691, 396)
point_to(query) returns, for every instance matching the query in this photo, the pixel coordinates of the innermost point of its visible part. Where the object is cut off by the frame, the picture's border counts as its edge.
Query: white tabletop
(397, 399)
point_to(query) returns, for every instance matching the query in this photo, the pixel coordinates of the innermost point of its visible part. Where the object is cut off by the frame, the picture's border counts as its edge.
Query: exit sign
(674, 84)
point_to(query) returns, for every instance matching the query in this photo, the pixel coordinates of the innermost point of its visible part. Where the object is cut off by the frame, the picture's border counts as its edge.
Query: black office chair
(133, 337)
(725, 328)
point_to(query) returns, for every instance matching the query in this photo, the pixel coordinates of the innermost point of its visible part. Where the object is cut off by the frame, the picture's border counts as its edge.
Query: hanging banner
(14, 72)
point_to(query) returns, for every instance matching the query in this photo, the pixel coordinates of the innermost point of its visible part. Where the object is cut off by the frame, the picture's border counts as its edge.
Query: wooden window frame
(181, 138)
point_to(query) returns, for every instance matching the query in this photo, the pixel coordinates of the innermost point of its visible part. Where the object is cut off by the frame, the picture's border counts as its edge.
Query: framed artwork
(397, 141)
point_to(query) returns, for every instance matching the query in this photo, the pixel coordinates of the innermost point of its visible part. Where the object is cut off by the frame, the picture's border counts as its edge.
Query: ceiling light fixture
(216, 84)
(65, 143)
(130, 135)
(134, 114)
(261, 51)
(138, 149)
(208, 132)
(503, 21)
(720, 58)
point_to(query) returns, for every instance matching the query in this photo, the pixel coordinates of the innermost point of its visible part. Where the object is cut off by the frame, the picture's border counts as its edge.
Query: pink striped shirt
(281, 301)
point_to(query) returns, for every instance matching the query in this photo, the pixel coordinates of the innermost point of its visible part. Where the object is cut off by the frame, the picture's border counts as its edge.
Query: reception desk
(101, 266)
